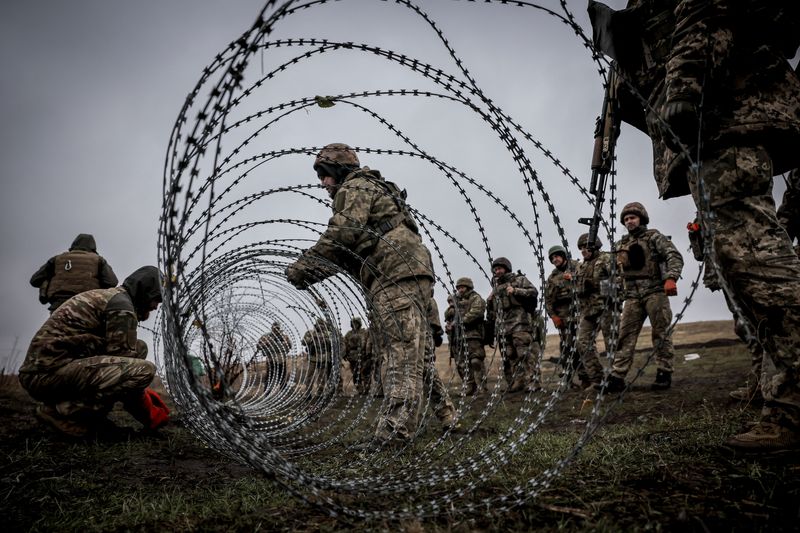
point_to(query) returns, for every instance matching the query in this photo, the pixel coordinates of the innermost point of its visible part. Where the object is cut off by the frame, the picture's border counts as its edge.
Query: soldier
(558, 298)
(77, 270)
(86, 357)
(373, 236)
(440, 399)
(275, 347)
(355, 348)
(320, 342)
(649, 265)
(452, 333)
(732, 58)
(593, 287)
(468, 323)
(509, 308)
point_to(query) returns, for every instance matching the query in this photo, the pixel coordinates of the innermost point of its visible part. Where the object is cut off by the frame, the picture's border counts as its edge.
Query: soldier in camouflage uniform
(467, 322)
(77, 270)
(649, 266)
(593, 281)
(355, 351)
(440, 399)
(732, 58)
(86, 357)
(558, 298)
(320, 343)
(374, 237)
(452, 333)
(275, 347)
(509, 308)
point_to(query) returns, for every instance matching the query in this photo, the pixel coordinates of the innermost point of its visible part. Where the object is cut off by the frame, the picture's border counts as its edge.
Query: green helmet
(635, 208)
(336, 154)
(584, 239)
(465, 282)
(355, 322)
(557, 249)
(503, 262)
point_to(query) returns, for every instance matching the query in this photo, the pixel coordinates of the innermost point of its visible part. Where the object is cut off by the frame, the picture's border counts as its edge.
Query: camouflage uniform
(558, 298)
(452, 332)
(355, 351)
(374, 237)
(86, 356)
(593, 275)
(733, 56)
(440, 399)
(468, 322)
(513, 327)
(647, 259)
(65, 275)
(321, 345)
(275, 347)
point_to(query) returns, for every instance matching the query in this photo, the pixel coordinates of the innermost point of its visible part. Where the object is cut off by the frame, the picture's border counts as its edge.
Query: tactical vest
(76, 271)
(644, 262)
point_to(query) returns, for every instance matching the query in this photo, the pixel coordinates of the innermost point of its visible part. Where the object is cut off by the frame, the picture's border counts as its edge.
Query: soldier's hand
(296, 275)
(568, 276)
(557, 321)
(681, 117)
(670, 287)
(509, 290)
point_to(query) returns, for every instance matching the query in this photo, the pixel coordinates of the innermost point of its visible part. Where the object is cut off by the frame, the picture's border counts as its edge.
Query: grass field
(657, 463)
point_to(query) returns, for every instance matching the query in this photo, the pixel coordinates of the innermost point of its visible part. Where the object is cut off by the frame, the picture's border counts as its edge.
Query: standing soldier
(558, 298)
(355, 348)
(275, 347)
(468, 323)
(509, 308)
(319, 342)
(452, 333)
(716, 71)
(80, 269)
(593, 287)
(649, 265)
(86, 357)
(440, 399)
(373, 236)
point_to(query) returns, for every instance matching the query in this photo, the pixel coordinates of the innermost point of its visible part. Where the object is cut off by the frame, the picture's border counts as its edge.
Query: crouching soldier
(86, 357)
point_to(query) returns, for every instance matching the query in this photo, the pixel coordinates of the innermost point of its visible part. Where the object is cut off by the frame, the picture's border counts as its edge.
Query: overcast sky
(91, 89)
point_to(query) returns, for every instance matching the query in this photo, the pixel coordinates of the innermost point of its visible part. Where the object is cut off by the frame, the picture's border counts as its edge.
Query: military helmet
(503, 262)
(355, 322)
(635, 208)
(584, 239)
(557, 249)
(276, 326)
(465, 282)
(336, 154)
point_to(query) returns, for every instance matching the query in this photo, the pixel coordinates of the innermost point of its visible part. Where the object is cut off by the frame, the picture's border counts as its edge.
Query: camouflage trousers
(470, 357)
(320, 378)
(89, 387)
(568, 353)
(635, 311)
(401, 314)
(518, 362)
(439, 398)
(591, 370)
(756, 259)
(362, 370)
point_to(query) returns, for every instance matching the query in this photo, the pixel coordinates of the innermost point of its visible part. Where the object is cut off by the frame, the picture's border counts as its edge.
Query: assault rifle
(605, 140)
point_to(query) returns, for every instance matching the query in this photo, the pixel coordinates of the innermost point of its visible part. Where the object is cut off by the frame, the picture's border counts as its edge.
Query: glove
(437, 339)
(557, 321)
(670, 287)
(297, 276)
(149, 409)
(681, 117)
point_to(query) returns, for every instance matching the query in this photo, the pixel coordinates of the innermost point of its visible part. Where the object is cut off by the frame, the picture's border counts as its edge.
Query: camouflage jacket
(558, 291)
(355, 345)
(471, 309)
(275, 344)
(371, 234)
(591, 274)
(733, 54)
(433, 318)
(450, 318)
(647, 258)
(505, 310)
(319, 344)
(92, 323)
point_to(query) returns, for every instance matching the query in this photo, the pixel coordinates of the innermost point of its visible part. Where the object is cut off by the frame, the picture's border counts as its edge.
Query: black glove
(681, 117)
(437, 339)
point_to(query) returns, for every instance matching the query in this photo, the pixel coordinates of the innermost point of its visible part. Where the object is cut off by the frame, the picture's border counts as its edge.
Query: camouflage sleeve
(433, 316)
(449, 313)
(524, 288)
(351, 208)
(121, 333)
(673, 259)
(475, 311)
(549, 297)
(491, 312)
(107, 277)
(702, 40)
(44, 273)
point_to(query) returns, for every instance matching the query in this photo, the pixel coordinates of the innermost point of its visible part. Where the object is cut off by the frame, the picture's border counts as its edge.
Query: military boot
(747, 393)
(766, 436)
(69, 426)
(615, 384)
(663, 380)
(471, 387)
